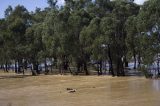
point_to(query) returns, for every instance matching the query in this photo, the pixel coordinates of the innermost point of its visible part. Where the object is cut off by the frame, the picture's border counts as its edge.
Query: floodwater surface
(90, 91)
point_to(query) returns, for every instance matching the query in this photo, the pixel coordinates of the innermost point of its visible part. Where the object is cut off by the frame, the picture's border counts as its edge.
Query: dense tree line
(79, 32)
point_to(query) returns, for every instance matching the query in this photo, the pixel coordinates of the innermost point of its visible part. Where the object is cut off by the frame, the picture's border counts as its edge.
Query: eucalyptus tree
(103, 7)
(35, 46)
(78, 19)
(108, 25)
(50, 33)
(54, 34)
(52, 3)
(4, 45)
(64, 37)
(113, 29)
(94, 36)
(8, 11)
(132, 39)
(90, 37)
(148, 26)
(2, 42)
(17, 23)
(81, 31)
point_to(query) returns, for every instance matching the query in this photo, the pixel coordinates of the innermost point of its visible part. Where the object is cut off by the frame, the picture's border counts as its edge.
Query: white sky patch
(139, 1)
(60, 2)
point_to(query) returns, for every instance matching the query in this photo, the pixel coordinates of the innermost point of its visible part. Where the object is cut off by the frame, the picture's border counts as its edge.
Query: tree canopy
(80, 32)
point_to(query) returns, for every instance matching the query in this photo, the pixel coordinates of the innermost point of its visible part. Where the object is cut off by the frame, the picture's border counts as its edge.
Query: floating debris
(71, 90)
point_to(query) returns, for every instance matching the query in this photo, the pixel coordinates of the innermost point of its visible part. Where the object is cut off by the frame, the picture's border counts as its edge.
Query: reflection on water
(156, 85)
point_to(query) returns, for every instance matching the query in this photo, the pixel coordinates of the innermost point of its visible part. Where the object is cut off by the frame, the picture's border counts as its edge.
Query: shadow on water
(133, 73)
(156, 85)
(9, 104)
(14, 76)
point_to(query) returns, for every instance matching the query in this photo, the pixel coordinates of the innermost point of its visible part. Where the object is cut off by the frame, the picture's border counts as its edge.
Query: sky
(32, 4)
(139, 1)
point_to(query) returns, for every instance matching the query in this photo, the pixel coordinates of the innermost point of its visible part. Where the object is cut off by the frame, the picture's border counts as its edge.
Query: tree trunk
(35, 70)
(25, 64)
(78, 68)
(46, 67)
(85, 68)
(157, 64)
(135, 63)
(139, 60)
(6, 67)
(15, 67)
(51, 65)
(70, 70)
(55, 63)
(67, 67)
(61, 67)
(38, 71)
(100, 68)
(98, 72)
(110, 62)
(19, 65)
(23, 71)
(125, 62)
(120, 68)
(1, 67)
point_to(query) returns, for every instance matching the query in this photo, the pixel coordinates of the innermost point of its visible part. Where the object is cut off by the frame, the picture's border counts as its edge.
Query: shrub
(144, 70)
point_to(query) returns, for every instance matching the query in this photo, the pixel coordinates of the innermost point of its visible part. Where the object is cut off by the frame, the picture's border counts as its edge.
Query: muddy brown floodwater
(90, 91)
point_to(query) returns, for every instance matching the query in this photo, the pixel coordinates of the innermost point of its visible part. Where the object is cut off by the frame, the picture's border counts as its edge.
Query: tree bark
(85, 68)
(51, 66)
(110, 61)
(35, 70)
(139, 60)
(1, 67)
(157, 64)
(135, 63)
(100, 68)
(6, 67)
(120, 68)
(78, 68)
(15, 67)
(46, 67)
(19, 65)
(125, 62)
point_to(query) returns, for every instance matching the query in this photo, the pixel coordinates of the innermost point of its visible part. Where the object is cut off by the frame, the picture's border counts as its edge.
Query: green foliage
(81, 31)
(144, 70)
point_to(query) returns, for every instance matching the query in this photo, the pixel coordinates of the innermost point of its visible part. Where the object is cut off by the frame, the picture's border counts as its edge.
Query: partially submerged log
(71, 90)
